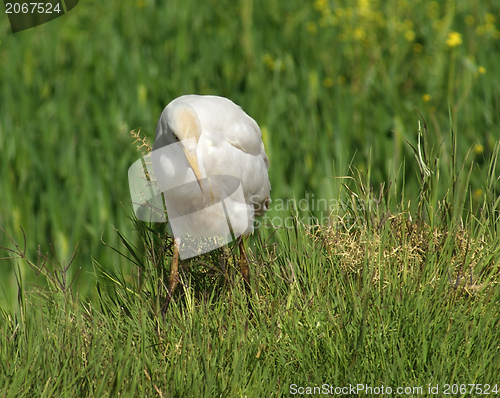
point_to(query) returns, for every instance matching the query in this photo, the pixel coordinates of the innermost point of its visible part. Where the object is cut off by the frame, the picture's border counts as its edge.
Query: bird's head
(182, 122)
(179, 123)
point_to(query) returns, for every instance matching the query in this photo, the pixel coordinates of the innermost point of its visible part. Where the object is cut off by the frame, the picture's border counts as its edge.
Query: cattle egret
(220, 146)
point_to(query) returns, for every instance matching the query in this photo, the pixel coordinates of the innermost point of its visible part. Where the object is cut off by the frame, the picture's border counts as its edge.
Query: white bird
(217, 138)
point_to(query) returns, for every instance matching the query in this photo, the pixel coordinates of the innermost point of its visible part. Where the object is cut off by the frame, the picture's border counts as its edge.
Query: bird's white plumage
(224, 140)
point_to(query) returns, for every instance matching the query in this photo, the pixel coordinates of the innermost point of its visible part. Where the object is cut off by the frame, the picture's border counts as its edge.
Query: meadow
(378, 263)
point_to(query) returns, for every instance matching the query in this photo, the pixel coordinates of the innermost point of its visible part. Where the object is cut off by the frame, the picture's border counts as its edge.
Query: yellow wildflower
(469, 20)
(408, 24)
(432, 9)
(478, 149)
(417, 48)
(268, 61)
(410, 35)
(490, 19)
(320, 4)
(426, 97)
(312, 28)
(364, 8)
(328, 82)
(481, 70)
(454, 39)
(359, 33)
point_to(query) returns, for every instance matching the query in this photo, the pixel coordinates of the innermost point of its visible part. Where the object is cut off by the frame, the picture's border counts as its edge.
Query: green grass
(393, 303)
(403, 293)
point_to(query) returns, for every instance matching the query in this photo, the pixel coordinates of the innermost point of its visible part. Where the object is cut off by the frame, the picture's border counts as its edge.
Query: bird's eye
(176, 138)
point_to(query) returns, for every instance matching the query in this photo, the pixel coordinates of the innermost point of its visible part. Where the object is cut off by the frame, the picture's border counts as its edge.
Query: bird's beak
(193, 162)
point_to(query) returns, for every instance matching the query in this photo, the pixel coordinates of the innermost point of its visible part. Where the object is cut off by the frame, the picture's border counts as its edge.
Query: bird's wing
(247, 137)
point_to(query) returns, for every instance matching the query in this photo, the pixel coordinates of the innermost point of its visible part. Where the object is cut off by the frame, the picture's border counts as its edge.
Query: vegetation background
(332, 84)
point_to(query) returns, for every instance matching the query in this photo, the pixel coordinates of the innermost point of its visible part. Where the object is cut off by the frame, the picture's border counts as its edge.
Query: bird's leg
(245, 271)
(225, 255)
(174, 277)
(244, 267)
